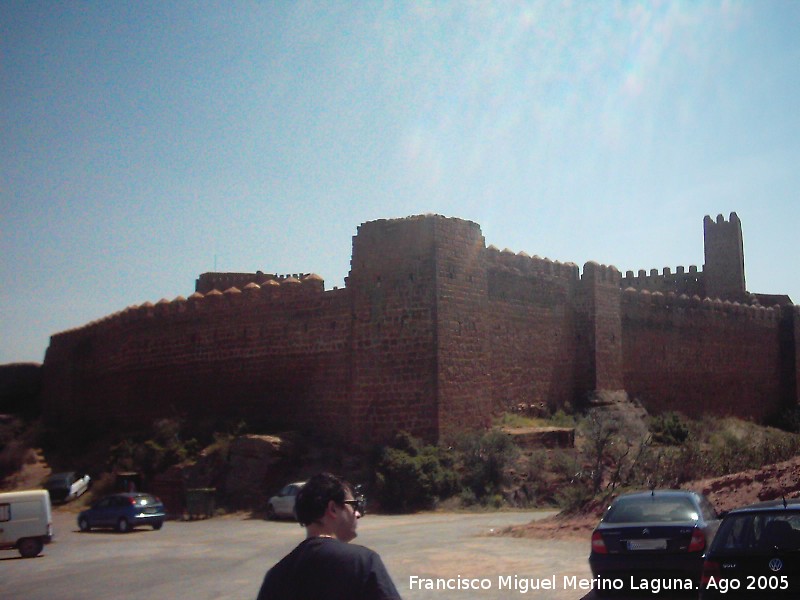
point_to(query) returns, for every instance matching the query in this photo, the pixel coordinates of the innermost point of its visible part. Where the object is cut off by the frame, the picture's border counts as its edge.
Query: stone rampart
(277, 354)
(702, 356)
(432, 333)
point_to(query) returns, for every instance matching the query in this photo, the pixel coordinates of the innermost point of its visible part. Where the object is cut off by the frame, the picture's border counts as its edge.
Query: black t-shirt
(327, 569)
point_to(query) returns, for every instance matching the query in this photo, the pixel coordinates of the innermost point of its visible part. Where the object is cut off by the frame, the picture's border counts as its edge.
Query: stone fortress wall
(432, 333)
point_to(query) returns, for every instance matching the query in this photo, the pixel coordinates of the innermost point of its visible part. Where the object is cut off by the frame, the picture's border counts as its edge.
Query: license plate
(149, 511)
(657, 544)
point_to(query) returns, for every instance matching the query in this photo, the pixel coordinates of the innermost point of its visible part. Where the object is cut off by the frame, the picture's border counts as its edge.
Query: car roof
(659, 494)
(129, 494)
(769, 506)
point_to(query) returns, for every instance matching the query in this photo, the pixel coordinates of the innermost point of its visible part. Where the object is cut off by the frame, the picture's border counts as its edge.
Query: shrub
(575, 495)
(164, 448)
(562, 419)
(484, 460)
(413, 476)
(669, 429)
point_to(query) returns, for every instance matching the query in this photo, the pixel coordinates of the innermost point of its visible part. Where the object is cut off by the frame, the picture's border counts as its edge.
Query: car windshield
(651, 509)
(759, 532)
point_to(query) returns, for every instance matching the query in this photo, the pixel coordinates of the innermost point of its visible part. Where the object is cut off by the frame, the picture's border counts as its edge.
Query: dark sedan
(756, 553)
(123, 512)
(652, 542)
(67, 486)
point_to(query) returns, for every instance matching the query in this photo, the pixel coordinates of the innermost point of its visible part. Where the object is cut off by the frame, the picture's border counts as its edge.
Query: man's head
(326, 505)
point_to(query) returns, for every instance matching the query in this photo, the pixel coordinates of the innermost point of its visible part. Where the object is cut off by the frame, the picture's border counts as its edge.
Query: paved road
(226, 557)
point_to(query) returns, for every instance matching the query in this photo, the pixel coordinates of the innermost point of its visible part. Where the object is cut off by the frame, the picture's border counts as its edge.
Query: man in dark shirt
(325, 566)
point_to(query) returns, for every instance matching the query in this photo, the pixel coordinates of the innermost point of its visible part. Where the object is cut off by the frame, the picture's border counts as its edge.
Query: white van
(26, 521)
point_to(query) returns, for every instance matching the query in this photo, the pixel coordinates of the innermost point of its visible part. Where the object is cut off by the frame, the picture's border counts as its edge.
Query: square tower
(724, 256)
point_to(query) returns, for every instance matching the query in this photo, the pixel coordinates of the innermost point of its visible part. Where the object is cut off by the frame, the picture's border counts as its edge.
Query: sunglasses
(359, 505)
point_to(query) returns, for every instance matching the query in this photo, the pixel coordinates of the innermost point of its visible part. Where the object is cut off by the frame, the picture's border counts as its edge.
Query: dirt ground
(725, 493)
(33, 472)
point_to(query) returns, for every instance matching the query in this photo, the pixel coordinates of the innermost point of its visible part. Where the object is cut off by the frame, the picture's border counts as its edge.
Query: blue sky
(144, 143)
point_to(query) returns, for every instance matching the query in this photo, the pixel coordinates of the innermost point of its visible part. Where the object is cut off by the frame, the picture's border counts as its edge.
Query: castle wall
(701, 356)
(20, 384)
(790, 340)
(531, 330)
(432, 332)
(277, 354)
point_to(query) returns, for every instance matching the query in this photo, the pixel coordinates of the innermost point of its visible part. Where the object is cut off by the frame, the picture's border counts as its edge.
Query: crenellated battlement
(524, 264)
(690, 283)
(223, 281)
(598, 273)
(642, 303)
(283, 289)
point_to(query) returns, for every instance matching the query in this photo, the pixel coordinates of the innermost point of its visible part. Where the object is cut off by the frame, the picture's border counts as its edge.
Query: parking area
(226, 557)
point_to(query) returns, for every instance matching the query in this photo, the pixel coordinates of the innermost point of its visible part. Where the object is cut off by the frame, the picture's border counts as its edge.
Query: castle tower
(418, 359)
(600, 316)
(724, 256)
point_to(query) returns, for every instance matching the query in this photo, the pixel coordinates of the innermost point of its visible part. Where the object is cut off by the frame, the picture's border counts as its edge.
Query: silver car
(282, 504)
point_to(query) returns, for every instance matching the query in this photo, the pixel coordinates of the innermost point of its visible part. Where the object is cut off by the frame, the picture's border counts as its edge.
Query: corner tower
(724, 258)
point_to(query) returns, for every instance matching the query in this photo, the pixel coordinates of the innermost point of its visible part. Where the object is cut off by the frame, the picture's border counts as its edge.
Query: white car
(67, 486)
(282, 504)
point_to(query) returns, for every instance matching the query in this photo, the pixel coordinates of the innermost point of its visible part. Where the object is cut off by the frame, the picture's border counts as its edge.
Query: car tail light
(698, 542)
(598, 545)
(711, 571)
(132, 501)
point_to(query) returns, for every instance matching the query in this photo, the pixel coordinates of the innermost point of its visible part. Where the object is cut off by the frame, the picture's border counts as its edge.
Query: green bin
(200, 502)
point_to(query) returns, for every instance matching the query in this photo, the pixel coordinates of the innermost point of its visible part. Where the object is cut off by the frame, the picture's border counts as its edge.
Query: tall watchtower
(724, 256)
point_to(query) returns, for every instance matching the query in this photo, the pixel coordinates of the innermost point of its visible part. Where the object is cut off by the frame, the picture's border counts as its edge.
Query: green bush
(484, 459)
(562, 419)
(163, 448)
(574, 496)
(669, 429)
(413, 476)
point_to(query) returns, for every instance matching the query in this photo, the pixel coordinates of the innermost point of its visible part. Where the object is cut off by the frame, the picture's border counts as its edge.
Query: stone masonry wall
(463, 391)
(531, 330)
(392, 280)
(701, 356)
(432, 333)
(601, 334)
(278, 353)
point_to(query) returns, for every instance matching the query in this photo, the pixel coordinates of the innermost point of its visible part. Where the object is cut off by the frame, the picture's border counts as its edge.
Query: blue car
(123, 512)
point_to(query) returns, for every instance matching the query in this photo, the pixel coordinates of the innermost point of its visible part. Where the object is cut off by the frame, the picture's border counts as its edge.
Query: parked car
(282, 504)
(123, 512)
(756, 553)
(66, 486)
(652, 538)
(26, 522)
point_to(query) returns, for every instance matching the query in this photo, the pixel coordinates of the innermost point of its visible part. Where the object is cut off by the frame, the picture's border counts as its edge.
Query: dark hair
(312, 500)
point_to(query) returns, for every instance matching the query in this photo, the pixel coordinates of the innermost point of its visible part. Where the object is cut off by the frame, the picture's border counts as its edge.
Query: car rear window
(651, 509)
(759, 532)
